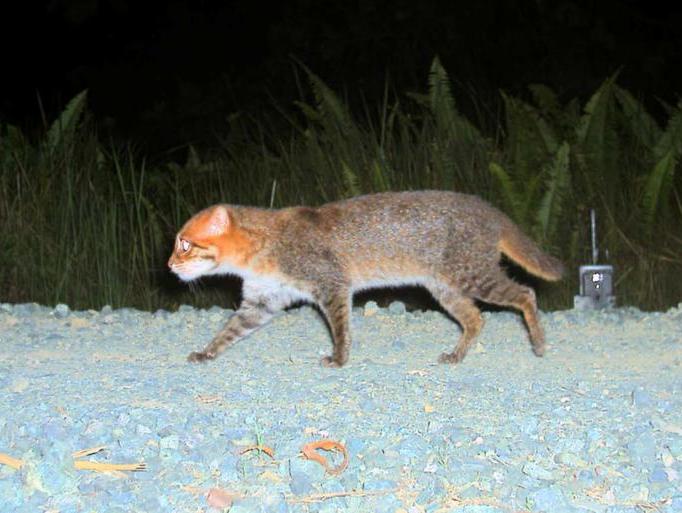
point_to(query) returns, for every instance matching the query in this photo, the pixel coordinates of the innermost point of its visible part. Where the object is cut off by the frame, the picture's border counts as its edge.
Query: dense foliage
(89, 223)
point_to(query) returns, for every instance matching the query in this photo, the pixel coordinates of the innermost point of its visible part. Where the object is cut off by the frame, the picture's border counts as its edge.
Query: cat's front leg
(252, 314)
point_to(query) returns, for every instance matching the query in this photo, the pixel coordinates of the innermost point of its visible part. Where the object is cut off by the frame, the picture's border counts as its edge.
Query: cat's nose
(170, 262)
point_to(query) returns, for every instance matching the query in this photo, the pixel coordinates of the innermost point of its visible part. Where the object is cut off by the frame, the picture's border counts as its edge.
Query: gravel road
(594, 426)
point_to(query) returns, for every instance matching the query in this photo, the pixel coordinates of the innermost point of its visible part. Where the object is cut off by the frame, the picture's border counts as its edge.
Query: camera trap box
(596, 287)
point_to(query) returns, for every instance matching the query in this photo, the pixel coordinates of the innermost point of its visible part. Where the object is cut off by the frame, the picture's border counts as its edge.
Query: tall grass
(90, 223)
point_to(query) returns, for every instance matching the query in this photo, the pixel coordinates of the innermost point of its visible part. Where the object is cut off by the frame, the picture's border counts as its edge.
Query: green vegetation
(88, 223)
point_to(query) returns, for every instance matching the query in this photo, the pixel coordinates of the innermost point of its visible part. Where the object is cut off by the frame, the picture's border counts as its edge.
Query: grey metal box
(596, 287)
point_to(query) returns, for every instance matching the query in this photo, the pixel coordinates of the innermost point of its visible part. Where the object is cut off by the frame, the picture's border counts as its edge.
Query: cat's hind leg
(335, 305)
(502, 290)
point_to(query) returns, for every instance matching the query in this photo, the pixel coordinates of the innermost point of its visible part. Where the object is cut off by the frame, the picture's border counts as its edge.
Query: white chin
(187, 276)
(192, 273)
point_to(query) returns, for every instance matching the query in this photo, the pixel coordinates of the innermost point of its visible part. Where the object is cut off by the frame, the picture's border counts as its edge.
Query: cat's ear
(219, 221)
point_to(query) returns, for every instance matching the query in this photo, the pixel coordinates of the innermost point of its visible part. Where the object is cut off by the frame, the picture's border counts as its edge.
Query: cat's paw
(200, 356)
(328, 361)
(539, 350)
(450, 358)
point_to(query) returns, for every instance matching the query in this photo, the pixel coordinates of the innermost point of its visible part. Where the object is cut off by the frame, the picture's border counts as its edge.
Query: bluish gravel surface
(594, 426)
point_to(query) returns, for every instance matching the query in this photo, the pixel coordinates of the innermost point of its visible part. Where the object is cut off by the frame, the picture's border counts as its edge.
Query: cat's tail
(522, 250)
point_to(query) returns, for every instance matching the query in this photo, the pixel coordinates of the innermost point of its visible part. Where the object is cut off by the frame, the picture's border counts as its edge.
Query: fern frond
(14, 138)
(558, 184)
(643, 127)
(596, 133)
(671, 138)
(666, 153)
(546, 99)
(330, 108)
(562, 119)
(62, 129)
(350, 179)
(596, 110)
(380, 177)
(309, 112)
(442, 106)
(530, 140)
(441, 102)
(511, 197)
(12, 142)
(658, 185)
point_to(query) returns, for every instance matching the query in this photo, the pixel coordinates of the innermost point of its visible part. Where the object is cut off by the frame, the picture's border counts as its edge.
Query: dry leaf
(260, 448)
(219, 499)
(309, 452)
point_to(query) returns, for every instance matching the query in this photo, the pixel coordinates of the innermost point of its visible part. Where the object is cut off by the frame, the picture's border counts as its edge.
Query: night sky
(168, 73)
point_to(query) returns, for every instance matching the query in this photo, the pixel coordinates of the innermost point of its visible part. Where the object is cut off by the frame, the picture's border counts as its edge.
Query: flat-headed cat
(447, 242)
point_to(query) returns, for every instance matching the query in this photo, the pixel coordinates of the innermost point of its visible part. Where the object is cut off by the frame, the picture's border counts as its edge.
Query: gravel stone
(371, 308)
(61, 311)
(594, 426)
(397, 308)
(536, 471)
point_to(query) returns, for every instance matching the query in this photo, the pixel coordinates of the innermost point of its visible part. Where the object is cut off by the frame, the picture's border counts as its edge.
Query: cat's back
(411, 213)
(392, 223)
(397, 206)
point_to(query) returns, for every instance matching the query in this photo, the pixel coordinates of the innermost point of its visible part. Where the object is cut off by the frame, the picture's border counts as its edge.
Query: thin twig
(88, 452)
(106, 467)
(319, 497)
(103, 467)
(483, 501)
(6, 459)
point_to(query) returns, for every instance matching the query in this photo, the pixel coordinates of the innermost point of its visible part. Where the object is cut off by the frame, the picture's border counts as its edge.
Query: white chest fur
(276, 292)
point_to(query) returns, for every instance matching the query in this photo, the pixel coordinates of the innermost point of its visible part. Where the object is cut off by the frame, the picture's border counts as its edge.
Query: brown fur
(449, 243)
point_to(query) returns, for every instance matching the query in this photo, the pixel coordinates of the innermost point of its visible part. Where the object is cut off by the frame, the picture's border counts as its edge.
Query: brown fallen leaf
(309, 452)
(260, 448)
(219, 499)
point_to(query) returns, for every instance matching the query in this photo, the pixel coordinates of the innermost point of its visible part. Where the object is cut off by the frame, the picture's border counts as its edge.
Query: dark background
(169, 73)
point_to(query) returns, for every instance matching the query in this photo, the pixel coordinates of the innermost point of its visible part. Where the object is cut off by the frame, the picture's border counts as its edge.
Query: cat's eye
(185, 245)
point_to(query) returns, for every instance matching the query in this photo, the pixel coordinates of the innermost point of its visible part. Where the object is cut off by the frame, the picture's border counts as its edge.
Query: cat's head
(207, 244)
